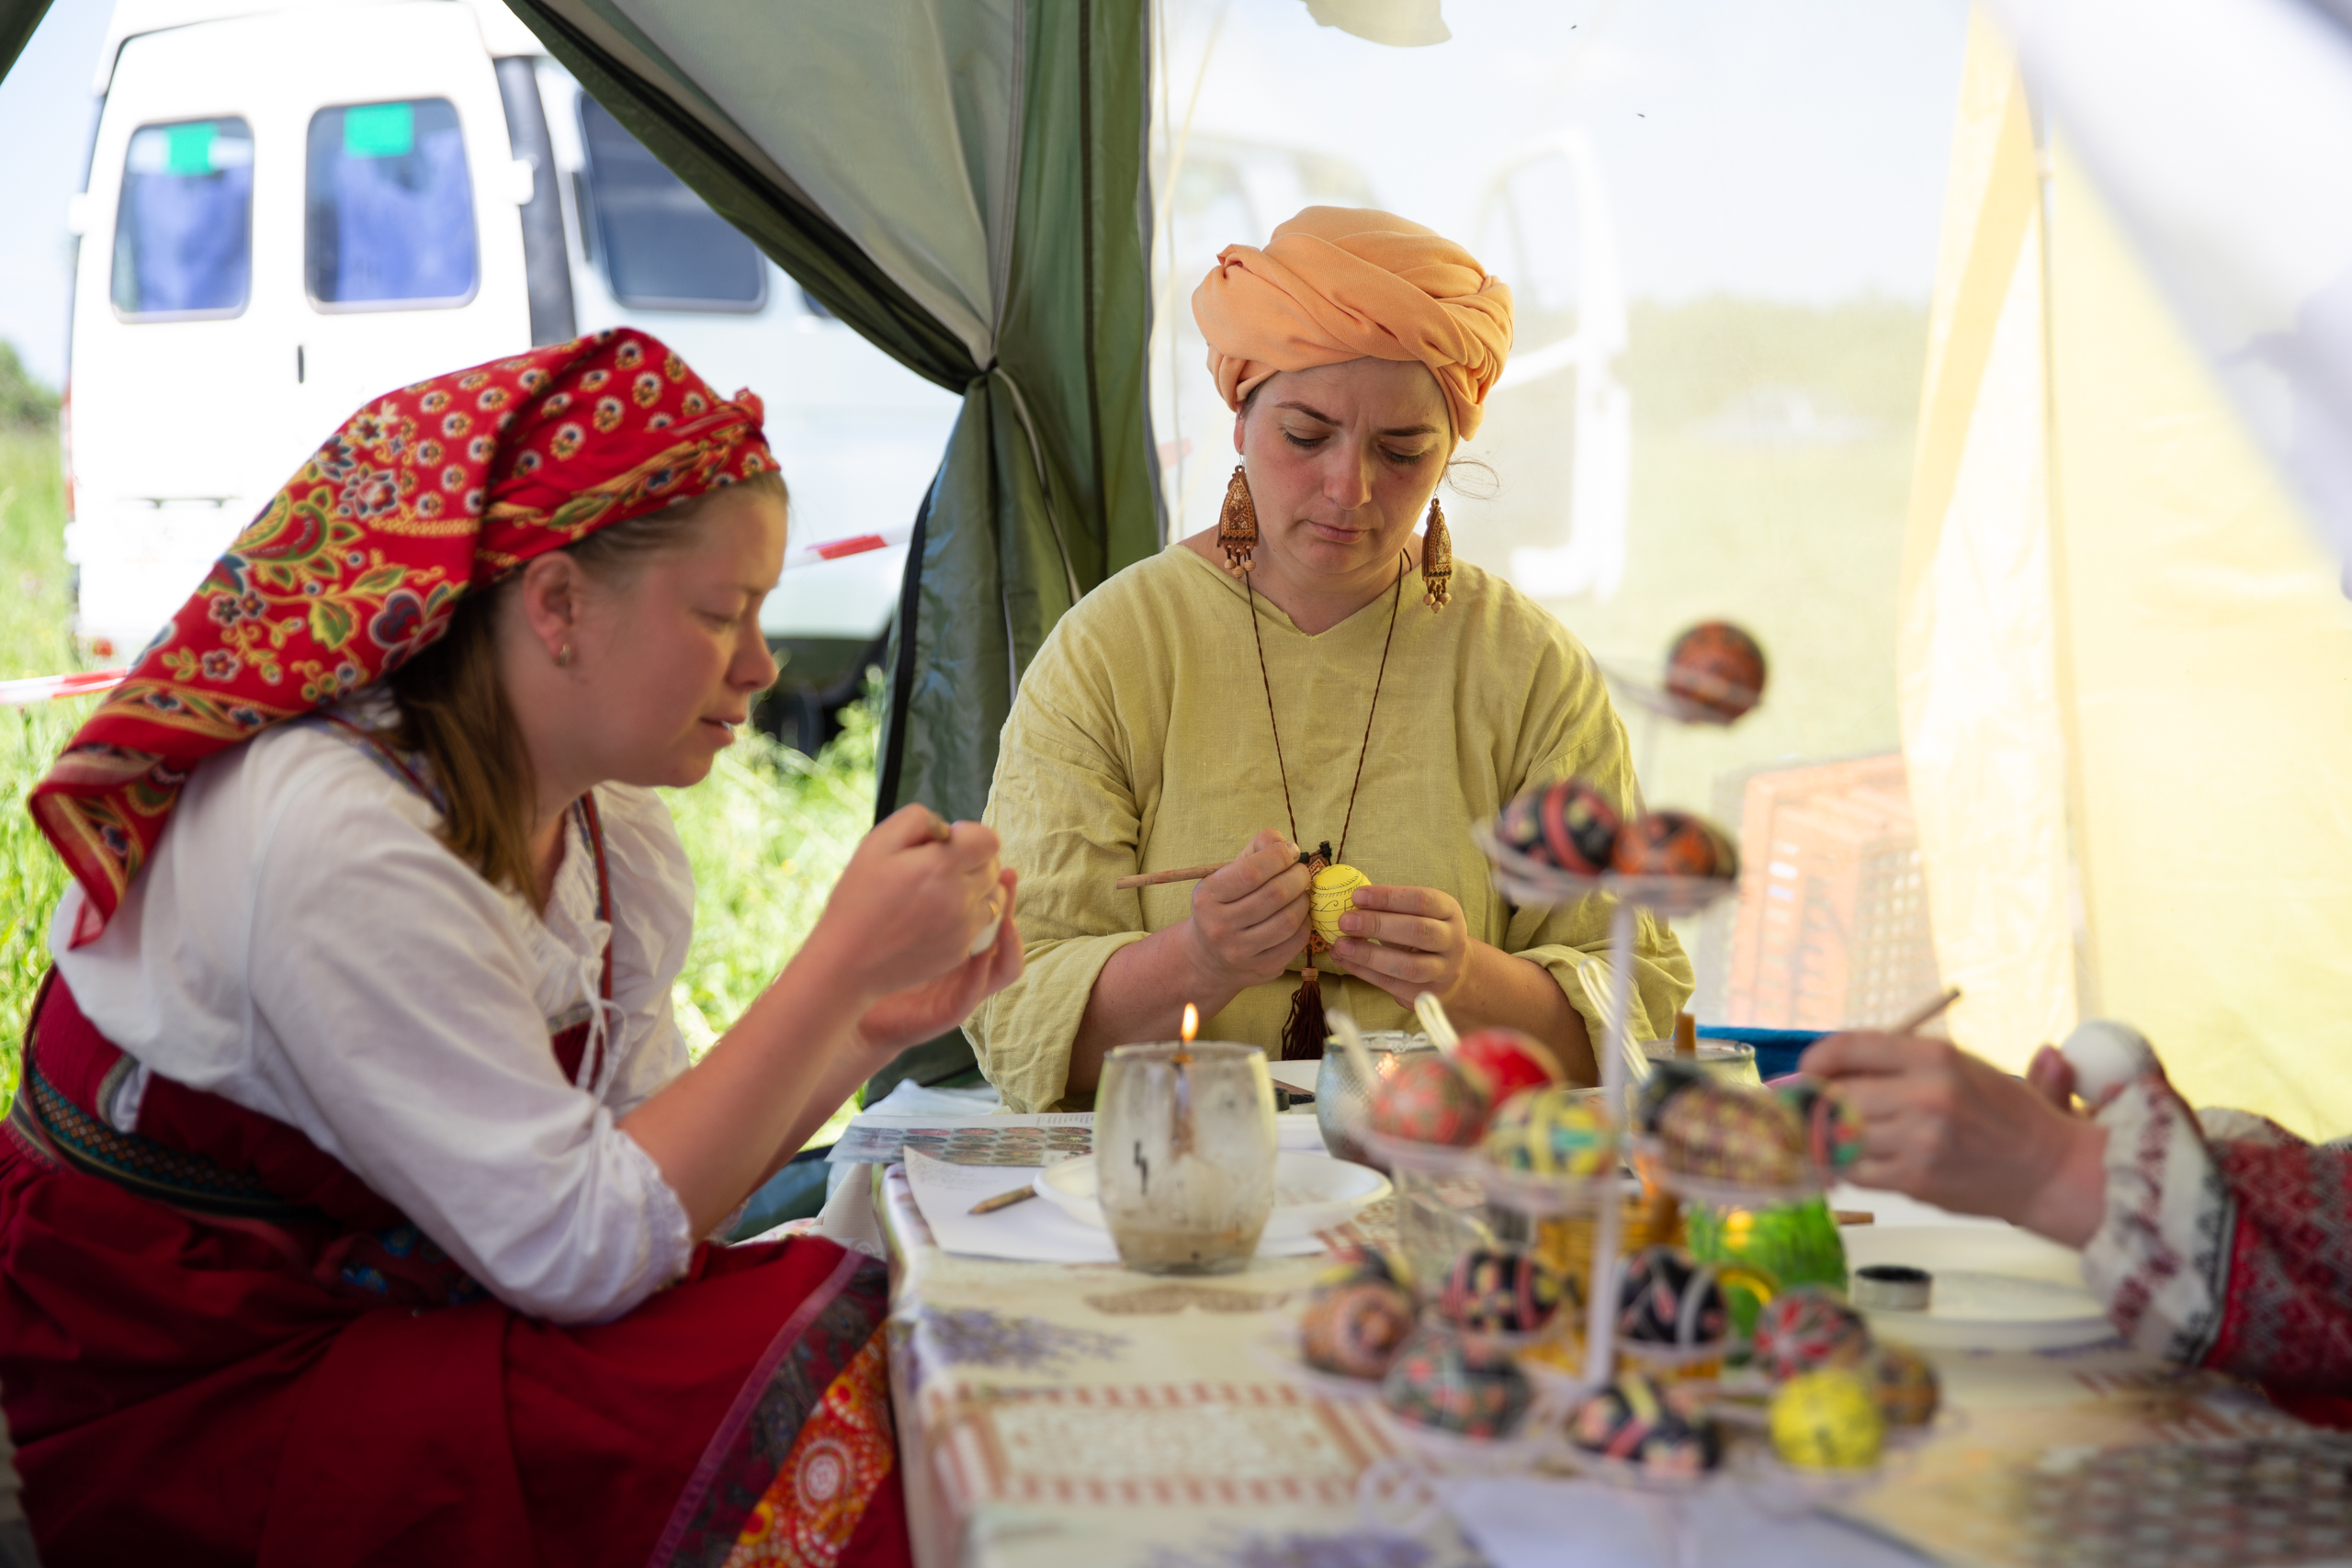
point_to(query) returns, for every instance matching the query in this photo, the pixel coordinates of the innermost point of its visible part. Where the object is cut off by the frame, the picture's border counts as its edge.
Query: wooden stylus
(1154, 878)
(1928, 1014)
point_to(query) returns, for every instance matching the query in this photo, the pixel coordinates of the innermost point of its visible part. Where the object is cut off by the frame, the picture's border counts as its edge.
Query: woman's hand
(1944, 1126)
(1423, 942)
(1250, 917)
(916, 1014)
(909, 906)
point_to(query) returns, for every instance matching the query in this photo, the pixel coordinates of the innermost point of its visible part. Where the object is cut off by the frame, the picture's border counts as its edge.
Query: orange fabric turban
(1338, 283)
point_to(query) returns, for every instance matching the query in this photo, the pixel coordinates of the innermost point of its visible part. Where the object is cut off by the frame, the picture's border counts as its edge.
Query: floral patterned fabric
(357, 564)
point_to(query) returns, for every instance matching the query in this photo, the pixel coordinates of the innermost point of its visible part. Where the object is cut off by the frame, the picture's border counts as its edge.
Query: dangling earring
(1437, 557)
(1236, 525)
(563, 657)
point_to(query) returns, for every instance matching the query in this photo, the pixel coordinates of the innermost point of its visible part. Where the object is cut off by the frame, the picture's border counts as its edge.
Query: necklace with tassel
(1334, 886)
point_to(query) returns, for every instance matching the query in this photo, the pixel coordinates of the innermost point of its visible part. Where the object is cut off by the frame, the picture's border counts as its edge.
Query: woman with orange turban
(1313, 672)
(353, 1205)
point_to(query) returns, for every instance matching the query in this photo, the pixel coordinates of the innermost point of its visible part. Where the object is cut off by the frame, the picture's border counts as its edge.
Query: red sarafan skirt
(217, 1346)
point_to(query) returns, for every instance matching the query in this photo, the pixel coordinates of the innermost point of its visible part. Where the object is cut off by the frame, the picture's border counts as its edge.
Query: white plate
(1312, 1193)
(1996, 1287)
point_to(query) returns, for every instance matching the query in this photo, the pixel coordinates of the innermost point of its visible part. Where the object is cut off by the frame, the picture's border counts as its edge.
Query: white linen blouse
(302, 945)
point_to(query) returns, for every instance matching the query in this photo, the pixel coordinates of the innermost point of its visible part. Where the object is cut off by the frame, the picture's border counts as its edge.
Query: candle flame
(1192, 1023)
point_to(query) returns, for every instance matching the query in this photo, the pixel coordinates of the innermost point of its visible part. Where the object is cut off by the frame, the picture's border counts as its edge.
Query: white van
(293, 205)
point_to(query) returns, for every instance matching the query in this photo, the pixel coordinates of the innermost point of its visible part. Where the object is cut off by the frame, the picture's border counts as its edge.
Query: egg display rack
(1720, 1194)
(1647, 692)
(1531, 884)
(1401, 1493)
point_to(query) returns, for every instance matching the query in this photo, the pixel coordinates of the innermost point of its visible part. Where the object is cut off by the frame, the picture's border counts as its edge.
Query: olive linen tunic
(1139, 742)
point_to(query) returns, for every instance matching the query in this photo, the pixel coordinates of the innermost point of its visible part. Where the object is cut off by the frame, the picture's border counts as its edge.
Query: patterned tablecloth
(1081, 1415)
(1054, 1415)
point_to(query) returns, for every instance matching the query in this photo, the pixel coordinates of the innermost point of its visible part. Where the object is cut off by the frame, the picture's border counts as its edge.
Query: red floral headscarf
(357, 564)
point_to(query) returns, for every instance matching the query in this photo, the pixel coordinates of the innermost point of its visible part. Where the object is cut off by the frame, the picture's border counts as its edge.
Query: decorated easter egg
(1673, 843)
(1633, 1422)
(1567, 823)
(1805, 1329)
(1357, 1328)
(1441, 1380)
(1905, 1385)
(1500, 1292)
(1827, 1420)
(1505, 1060)
(1717, 666)
(1666, 1297)
(1832, 1129)
(1551, 1132)
(1428, 1100)
(1331, 894)
(1725, 1132)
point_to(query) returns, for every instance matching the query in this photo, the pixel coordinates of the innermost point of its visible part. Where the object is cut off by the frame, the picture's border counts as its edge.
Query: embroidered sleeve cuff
(2160, 1258)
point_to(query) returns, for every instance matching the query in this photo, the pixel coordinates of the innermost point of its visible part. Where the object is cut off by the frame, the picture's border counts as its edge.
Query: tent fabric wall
(2124, 658)
(961, 183)
(2211, 652)
(1976, 641)
(2216, 131)
(18, 20)
(964, 182)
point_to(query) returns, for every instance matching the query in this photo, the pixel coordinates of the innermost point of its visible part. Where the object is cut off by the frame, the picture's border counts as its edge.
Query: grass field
(767, 832)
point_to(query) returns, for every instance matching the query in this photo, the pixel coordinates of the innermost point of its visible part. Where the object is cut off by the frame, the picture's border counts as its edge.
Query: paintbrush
(1926, 1014)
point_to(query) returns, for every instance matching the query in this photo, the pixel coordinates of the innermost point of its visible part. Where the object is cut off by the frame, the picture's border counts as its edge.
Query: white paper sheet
(1031, 1232)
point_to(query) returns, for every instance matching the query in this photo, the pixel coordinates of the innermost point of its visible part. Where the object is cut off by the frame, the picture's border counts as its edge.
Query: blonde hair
(455, 711)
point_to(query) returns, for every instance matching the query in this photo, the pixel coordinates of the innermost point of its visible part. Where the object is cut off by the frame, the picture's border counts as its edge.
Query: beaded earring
(1236, 524)
(1437, 557)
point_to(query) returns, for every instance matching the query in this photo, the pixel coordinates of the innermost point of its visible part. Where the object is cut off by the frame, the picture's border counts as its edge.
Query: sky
(1786, 149)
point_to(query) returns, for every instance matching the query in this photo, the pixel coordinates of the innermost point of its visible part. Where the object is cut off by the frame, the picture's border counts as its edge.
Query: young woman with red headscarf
(349, 1208)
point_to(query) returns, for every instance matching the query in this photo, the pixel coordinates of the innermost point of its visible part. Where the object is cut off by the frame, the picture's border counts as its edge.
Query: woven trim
(141, 1164)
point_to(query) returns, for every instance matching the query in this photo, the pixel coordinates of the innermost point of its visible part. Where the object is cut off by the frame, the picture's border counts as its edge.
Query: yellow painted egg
(1827, 1420)
(1333, 895)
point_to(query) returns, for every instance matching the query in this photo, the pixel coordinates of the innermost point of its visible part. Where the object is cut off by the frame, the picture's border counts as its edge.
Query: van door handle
(301, 369)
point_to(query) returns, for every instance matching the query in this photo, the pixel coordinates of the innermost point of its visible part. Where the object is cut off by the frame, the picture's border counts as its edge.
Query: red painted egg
(1567, 823)
(1674, 843)
(1428, 1100)
(1717, 666)
(1505, 1060)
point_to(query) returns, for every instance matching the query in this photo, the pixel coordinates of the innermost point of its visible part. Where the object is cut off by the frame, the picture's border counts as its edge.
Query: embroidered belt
(185, 1181)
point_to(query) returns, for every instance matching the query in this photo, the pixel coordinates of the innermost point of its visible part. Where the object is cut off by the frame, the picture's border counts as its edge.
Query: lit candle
(1192, 1023)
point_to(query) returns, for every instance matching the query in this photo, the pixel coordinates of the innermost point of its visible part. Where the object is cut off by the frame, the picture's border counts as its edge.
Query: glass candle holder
(1184, 1155)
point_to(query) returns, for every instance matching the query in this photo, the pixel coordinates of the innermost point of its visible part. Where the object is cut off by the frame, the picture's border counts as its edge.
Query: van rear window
(390, 207)
(183, 234)
(661, 245)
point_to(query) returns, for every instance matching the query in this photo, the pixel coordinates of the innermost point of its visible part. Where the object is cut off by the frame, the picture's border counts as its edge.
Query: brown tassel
(1304, 1030)
(1437, 557)
(1236, 524)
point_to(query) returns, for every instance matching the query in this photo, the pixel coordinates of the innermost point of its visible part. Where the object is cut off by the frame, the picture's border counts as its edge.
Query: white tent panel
(2212, 671)
(2218, 131)
(1977, 639)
